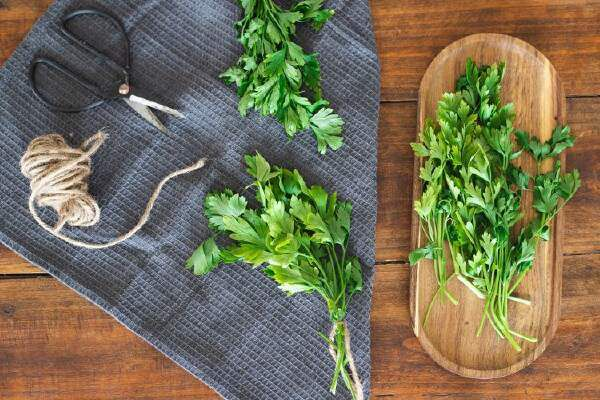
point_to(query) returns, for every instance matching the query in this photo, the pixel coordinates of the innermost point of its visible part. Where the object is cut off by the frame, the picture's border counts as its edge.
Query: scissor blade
(156, 106)
(146, 114)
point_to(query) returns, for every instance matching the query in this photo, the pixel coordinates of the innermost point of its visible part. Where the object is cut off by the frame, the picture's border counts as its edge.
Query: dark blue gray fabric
(233, 328)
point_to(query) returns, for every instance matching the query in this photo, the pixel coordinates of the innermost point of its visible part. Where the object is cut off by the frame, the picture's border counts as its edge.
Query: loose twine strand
(58, 175)
(358, 388)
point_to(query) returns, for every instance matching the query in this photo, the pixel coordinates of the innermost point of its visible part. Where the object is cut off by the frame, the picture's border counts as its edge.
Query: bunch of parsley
(274, 72)
(472, 194)
(299, 233)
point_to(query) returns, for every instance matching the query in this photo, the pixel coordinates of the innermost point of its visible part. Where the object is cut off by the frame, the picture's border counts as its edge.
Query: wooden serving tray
(532, 84)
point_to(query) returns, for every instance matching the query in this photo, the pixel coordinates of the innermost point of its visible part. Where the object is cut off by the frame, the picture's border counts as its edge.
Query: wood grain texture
(532, 85)
(55, 345)
(16, 18)
(397, 128)
(12, 263)
(410, 33)
(582, 214)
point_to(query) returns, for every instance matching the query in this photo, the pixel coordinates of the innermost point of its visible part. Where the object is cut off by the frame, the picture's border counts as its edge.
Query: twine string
(58, 175)
(356, 383)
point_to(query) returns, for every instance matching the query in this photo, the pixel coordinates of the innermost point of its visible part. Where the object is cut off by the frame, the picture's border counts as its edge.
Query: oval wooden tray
(532, 84)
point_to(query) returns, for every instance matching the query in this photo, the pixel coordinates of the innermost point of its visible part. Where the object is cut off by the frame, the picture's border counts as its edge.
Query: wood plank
(17, 16)
(397, 128)
(56, 345)
(582, 216)
(12, 263)
(410, 33)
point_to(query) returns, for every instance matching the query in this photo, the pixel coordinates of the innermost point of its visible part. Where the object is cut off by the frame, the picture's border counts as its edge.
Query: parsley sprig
(472, 195)
(300, 234)
(274, 73)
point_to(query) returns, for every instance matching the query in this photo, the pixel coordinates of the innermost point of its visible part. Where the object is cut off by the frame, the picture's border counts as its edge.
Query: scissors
(123, 91)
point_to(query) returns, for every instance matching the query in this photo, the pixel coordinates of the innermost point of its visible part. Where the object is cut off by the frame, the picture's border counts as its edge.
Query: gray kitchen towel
(233, 328)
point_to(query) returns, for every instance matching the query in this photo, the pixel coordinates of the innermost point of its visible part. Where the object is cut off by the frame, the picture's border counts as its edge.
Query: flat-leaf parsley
(300, 234)
(472, 195)
(274, 74)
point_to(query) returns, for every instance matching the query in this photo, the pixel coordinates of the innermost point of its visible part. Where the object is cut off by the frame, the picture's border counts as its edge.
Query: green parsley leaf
(354, 276)
(327, 127)
(225, 204)
(259, 168)
(206, 258)
(569, 184)
(420, 149)
(560, 141)
(274, 75)
(418, 254)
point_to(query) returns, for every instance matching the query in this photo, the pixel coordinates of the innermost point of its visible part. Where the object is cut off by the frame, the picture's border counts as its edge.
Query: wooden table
(56, 345)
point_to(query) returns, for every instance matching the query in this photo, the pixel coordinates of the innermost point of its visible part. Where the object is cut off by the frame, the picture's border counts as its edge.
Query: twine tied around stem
(58, 175)
(356, 383)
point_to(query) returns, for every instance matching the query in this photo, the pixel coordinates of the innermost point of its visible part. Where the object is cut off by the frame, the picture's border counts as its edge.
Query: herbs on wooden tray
(274, 73)
(300, 234)
(473, 191)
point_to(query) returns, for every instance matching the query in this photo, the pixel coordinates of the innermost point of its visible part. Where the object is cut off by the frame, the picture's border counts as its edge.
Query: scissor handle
(72, 76)
(115, 22)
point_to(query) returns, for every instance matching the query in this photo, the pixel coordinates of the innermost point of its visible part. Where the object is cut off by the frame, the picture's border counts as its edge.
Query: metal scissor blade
(145, 112)
(156, 106)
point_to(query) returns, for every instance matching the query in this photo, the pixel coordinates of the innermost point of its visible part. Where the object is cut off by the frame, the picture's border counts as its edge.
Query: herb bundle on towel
(274, 72)
(472, 193)
(301, 234)
(233, 329)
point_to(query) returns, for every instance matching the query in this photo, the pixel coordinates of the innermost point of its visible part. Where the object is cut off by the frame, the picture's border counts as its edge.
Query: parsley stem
(334, 267)
(483, 317)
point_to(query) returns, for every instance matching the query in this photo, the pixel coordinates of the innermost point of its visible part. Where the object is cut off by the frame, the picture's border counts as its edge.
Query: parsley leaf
(274, 76)
(327, 127)
(206, 258)
(418, 254)
(226, 204)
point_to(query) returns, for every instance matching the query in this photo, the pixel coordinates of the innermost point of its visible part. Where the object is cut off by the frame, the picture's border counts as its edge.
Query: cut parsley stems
(472, 193)
(274, 73)
(300, 234)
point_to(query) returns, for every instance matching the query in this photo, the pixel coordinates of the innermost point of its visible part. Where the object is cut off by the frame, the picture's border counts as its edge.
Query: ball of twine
(58, 175)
